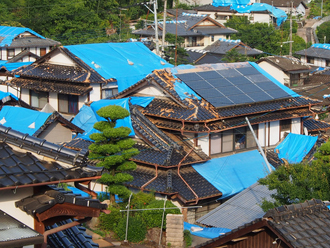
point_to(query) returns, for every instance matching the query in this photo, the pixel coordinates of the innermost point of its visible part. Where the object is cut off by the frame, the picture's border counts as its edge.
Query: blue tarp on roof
(127, 62)
(295, 147)
(13, 66)
(241, 6)
(87, 116)
(207, 232)
(232, 174)
(322, 46)
(10, 33)
(283, 87)
(5, 96)
(22, 119)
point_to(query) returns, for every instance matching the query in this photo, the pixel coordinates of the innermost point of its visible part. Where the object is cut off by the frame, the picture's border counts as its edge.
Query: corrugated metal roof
(240, 209)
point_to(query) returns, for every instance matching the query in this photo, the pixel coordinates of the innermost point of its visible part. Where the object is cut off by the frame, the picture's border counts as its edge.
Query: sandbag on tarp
(22, 119)
(87, 116)
(295, 147)
(206, 232)
(127, 62)
(231, 174)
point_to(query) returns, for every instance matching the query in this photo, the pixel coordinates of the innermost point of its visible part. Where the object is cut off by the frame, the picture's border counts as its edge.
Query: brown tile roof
(286, 63)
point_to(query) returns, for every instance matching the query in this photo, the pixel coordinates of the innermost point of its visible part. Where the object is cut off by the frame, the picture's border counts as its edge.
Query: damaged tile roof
(21, 168)
(222, 46)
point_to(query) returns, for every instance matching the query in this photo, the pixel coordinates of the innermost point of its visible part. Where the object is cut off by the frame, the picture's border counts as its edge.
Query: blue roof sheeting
(295, 147)
(127, 62)
(206, 232)
(234, 173)
(322, 46)
(241, 6)
(13, 66)
(10, 33)
(22, 119)
(5, 96)
(87, 116)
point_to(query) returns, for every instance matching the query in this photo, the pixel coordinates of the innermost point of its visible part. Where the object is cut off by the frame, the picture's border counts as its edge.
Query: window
(42, 51)
(239, 138)
(68, 103)
(285, 125)
(38, 99)
(212, 38)
(192, 41)
(10, 53)
(106, 93)
(310, 60)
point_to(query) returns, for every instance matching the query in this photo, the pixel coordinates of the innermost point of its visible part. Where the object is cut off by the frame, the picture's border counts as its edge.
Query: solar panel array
(233, 86)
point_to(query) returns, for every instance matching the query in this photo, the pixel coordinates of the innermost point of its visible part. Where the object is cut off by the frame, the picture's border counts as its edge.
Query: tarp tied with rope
(232, 174)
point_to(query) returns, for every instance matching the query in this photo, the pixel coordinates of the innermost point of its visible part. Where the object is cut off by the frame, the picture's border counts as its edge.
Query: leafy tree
(234, 56)
(175, 53)
(299, 182)
(113, 149)
(323, 31)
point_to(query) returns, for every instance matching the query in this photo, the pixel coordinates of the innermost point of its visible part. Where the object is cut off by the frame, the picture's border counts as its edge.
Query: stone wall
(174, 230)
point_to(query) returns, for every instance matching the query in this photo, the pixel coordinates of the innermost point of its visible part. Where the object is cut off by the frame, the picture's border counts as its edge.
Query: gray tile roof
(222, 47)
(238, 210)
(287, 63)
(315, 52)
(210, 7)
(33, 42)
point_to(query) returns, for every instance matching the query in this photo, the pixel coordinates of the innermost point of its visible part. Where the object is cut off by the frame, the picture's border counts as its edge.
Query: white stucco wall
(203, 142)
(7, 204)
(61, 59)
(296, 126)
(53, 100)
(95, 94)
(82, 101)
(274, 136)
(278, 74)
(25, 95)
(152, 91)
(261, 134)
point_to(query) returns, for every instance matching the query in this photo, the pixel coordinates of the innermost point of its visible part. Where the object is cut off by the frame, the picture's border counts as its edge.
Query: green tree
(234, 56)
(323, 32)
(299, 182)
(175, 53)
(113, 148)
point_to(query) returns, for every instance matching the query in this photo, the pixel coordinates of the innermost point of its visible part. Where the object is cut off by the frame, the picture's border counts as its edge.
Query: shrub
(153, 218)
(136, 232)
(187, 238)
(109, 221)
(141, 200)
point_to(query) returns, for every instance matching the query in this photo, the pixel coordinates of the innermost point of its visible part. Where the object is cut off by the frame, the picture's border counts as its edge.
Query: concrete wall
(56, 133)
(174, 230)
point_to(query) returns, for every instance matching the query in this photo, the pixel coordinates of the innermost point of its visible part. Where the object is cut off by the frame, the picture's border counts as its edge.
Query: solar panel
(229, 73)
(209, 74)
(234, 86)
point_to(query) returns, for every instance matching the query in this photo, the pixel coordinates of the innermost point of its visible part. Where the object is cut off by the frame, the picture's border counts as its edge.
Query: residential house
(215, 52)
(297, 7)
(15, 40)
(70, 76)
(52, 127)
(197, 30)
(297, 225)
(317, 54)
(288, 70)
(30, 169)
(222, 11)
(195, 117)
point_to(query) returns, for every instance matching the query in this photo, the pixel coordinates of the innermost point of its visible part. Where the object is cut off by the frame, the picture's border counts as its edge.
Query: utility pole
(290, 52)
(156, 27)
(322, 9)
(164, 27)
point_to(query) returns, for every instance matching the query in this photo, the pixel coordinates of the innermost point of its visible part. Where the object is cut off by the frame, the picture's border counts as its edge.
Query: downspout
(151, 180)
(182, 127)
(61, 228)
(179, 165)
(86, 190)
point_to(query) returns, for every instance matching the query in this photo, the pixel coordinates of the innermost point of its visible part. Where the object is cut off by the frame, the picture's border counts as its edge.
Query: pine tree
(113, 148)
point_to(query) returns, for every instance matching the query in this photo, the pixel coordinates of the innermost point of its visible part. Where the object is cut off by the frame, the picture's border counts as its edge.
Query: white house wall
(82, 100)
(274, 136)
(52, 100)
(56, 133)
(296, 126)
(203, 142)
(152, 91)
(95, 94)
(276, 73)
(7, 204)
(61, 59)
(25, 95)
(261, 134)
